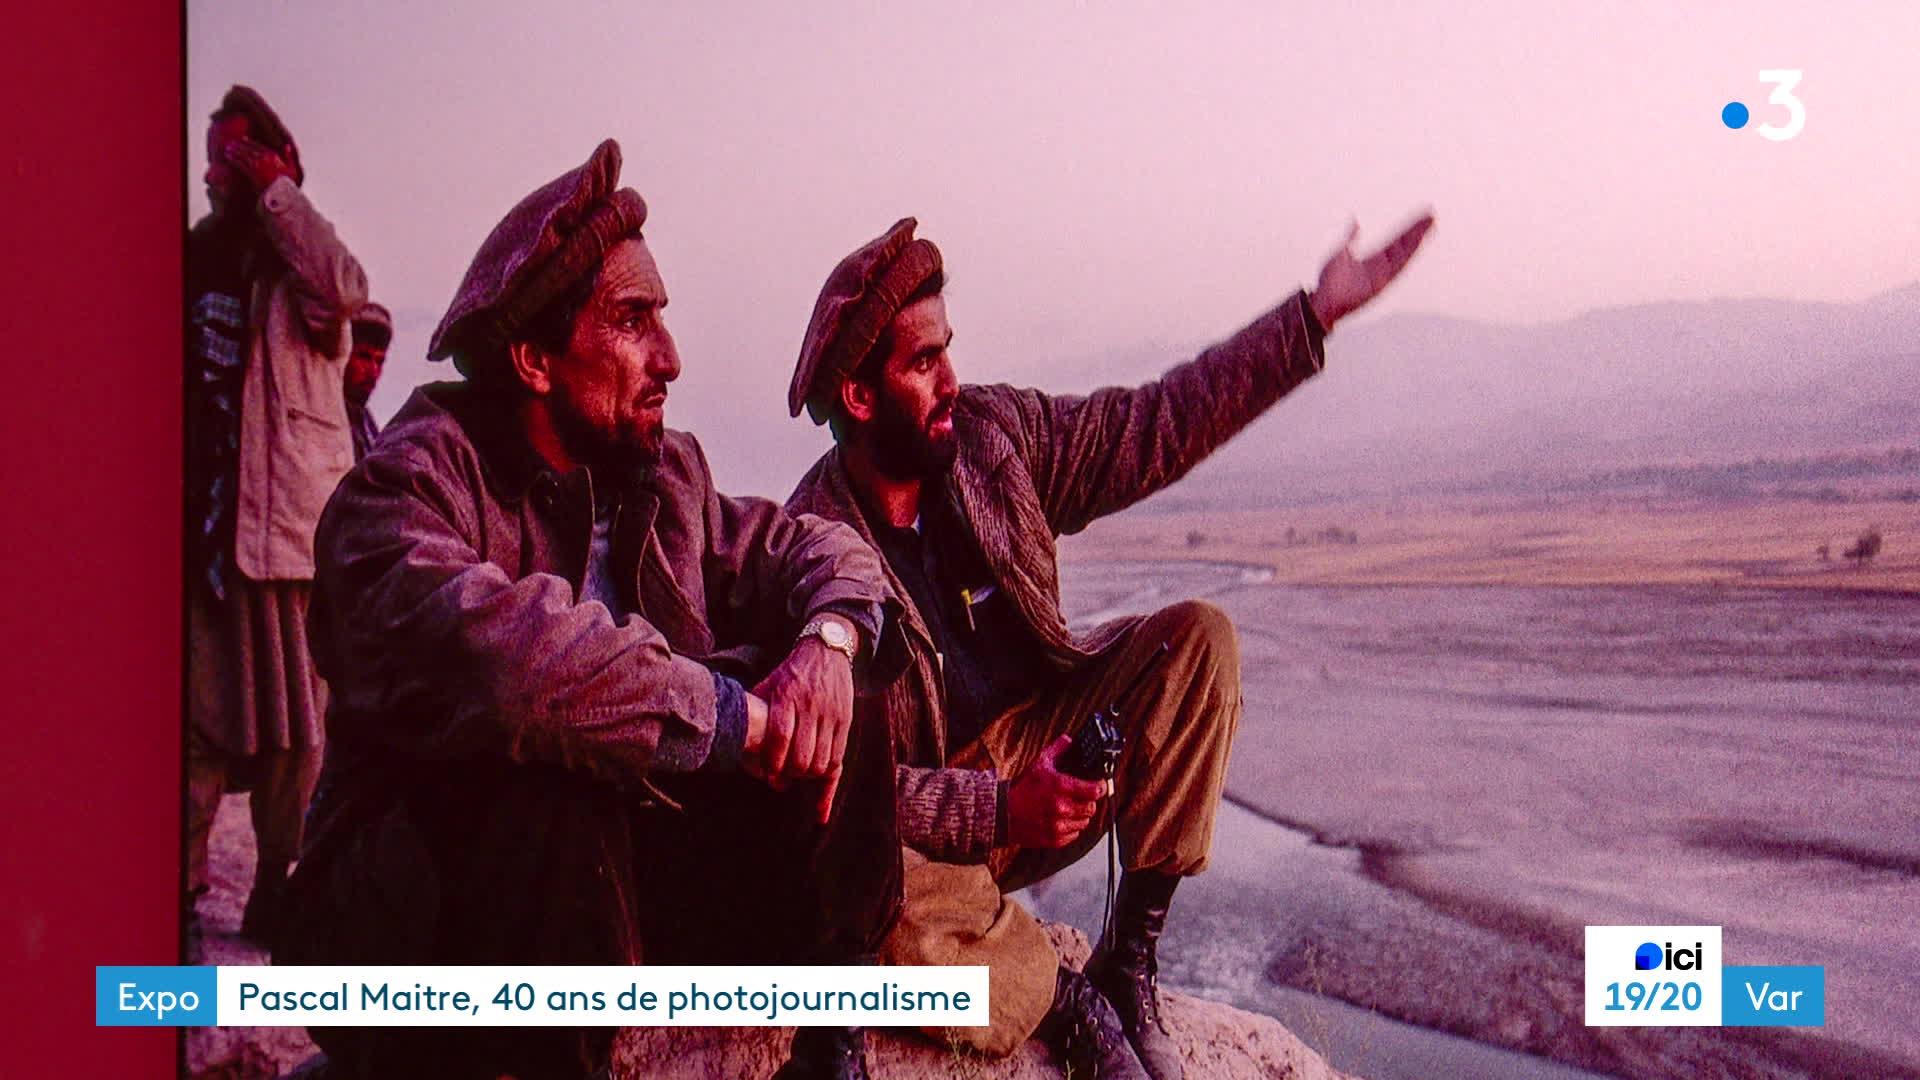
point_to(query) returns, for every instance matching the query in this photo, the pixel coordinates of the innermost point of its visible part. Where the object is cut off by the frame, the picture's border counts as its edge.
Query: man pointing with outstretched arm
(963, 490)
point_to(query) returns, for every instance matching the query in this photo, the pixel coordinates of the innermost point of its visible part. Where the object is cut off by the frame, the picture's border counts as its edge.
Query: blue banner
(154, 996)
(1773, 996)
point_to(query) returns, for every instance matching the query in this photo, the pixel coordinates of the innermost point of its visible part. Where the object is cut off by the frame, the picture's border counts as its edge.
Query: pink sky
(1099, 176)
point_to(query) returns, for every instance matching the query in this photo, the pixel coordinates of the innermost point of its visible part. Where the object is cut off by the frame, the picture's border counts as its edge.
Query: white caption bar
(602, 996)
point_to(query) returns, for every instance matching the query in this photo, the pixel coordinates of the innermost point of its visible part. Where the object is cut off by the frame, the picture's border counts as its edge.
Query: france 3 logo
(1653, 976)
(1735, 114)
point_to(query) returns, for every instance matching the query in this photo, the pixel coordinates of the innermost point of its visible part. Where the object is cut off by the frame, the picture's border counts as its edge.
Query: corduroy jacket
(1033, 467)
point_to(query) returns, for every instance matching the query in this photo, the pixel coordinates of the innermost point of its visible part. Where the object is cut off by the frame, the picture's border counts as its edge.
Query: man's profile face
(609, 389)
(363, 370)
(913, 401)
(224, 182)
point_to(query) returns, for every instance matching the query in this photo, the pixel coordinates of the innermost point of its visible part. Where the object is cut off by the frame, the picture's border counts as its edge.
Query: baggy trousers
(254, 708)
(1179, 725)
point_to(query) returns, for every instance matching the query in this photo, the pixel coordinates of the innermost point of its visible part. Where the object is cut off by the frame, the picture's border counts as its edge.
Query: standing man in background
(963, 490)
(270, 290)
(372, 333)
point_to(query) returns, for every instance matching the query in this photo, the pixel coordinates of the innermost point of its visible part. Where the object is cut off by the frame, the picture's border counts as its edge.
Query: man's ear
(532, 366)
(857, 399)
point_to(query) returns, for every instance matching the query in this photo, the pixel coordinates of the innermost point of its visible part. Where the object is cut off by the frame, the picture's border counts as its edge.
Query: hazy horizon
(1099, 179)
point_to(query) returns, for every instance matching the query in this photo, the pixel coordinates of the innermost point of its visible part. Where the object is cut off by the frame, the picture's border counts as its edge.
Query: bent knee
(1204, 646)
(1200, 626)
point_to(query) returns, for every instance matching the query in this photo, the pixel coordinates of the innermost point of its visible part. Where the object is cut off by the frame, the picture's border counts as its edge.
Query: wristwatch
(834, 635)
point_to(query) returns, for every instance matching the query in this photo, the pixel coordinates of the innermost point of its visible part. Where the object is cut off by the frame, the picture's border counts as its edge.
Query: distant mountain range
(1413, 402)
(1424, 402)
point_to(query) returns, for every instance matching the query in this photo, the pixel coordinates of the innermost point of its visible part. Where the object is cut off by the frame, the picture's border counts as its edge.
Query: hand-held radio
(1095, 753)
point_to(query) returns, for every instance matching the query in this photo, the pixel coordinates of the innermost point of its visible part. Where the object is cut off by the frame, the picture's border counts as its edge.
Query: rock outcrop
(1220, 1042)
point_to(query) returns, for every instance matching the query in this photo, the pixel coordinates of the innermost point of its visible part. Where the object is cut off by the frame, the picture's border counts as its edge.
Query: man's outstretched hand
(1348, 282)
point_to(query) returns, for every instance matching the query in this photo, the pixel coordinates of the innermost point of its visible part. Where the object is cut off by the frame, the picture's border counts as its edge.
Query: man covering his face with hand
(270, 288)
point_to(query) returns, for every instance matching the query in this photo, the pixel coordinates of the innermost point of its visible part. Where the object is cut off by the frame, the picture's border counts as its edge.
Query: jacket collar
(832, 486)
(833, 489)
(511, 465)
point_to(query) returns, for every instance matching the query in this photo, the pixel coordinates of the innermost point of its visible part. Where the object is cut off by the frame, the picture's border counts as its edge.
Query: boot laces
(1150, 1007)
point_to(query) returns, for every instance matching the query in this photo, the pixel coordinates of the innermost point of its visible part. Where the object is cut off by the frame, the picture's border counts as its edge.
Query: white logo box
(1663, 993)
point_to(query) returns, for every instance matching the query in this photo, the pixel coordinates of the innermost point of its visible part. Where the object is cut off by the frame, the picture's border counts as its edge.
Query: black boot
(1085, 1034)
(1125, 969)
(826, 1053)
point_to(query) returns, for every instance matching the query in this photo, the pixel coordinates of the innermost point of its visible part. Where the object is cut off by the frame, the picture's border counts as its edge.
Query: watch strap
(817, 629)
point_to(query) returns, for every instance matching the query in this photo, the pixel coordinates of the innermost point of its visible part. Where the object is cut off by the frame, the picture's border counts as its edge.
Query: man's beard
(619, 450)
(903, 449)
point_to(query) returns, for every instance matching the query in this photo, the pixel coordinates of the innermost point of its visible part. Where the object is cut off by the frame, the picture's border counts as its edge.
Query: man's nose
(948, 385)
(664, 362)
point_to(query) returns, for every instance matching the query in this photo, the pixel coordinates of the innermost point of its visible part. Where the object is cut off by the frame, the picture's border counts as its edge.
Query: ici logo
(1651, 957)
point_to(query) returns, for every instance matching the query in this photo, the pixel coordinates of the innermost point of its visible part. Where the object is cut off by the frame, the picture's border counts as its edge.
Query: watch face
(835, 635)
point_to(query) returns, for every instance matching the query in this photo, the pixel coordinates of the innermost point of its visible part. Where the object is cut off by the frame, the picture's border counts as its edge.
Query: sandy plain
(1539, 540)
(1504, 720)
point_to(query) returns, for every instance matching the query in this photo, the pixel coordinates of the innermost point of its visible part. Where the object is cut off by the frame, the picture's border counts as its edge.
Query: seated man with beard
(963, 490)
(555, 650)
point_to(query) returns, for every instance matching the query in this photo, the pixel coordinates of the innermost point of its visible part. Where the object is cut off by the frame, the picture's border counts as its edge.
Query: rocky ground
(1220, 1041)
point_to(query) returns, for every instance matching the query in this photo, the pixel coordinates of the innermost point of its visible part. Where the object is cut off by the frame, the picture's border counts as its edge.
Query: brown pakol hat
(543, 245)
(856, 306)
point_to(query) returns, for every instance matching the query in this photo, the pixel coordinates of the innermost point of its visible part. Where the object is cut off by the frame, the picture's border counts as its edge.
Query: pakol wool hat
(856, 306)
(543, 246)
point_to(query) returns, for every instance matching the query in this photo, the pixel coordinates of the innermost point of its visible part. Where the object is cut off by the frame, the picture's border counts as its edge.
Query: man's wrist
(729, 725)
(756, 720)
(1319, 309)
(833, 632)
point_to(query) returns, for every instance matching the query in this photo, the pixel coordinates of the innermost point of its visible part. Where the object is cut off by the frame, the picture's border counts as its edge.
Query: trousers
(1179, 726)
(718, 869)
